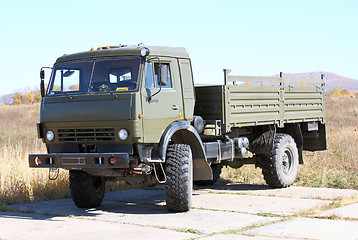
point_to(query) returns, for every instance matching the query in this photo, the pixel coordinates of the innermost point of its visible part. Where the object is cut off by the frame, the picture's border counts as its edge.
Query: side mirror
(42, 87)
(68, 73)
(163, 74)
(42, 84)
(42, 74)
(42, 77)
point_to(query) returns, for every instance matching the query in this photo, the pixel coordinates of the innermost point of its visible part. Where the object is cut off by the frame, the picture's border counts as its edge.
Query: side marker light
(112, 160)
(38, 161)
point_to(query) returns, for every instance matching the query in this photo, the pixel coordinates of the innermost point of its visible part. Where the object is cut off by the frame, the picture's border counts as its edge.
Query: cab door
(162, 101)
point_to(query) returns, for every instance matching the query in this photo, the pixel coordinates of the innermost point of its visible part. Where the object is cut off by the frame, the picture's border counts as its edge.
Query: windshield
(95, 75)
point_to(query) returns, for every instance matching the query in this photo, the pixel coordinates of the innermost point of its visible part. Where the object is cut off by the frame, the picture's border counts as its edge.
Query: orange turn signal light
(38, 161)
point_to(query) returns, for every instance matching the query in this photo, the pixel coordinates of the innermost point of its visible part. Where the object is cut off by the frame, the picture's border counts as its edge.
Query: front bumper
(78, 160)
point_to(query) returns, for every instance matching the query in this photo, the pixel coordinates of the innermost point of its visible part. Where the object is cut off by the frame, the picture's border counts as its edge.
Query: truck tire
(179, 184)
(216, 168)
(87, 191)
(281, 166)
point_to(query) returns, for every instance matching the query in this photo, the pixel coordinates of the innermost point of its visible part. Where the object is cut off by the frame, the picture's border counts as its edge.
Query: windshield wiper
(102, 88)
(66, 93)
(110, 92)
(90, 81)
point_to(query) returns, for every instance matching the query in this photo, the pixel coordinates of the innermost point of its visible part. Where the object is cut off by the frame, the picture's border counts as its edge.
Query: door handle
(175, 107)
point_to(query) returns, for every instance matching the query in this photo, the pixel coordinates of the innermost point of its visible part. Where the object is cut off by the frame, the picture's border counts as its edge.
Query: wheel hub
(287, 159)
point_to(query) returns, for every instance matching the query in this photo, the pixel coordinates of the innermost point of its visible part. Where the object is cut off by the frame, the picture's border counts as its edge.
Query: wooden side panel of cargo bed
(303, 104)
(254, 105)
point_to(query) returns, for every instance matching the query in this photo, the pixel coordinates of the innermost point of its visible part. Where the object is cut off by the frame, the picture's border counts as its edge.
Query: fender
(184, 132)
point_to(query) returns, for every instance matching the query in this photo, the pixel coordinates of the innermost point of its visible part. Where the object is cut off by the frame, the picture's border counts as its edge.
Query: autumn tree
(345, 92)
(27, 97)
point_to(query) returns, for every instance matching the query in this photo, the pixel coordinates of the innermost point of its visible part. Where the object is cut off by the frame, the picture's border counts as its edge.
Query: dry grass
(18, 138)
(337, 167)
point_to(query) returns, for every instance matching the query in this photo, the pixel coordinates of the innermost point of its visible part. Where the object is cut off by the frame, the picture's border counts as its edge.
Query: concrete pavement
(223, 211)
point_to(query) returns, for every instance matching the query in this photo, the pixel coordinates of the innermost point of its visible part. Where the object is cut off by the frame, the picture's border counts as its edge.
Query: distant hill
(332, 80)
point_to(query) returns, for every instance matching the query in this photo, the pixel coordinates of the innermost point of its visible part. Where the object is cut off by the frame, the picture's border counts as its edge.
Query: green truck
(132, 113)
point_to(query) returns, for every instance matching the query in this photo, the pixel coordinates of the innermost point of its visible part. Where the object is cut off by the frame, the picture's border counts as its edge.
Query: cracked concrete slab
(239, 237)
(43, 227)
(255, 204)
(149, 215)
(291, 192)
(217, 213)
(309, 228)
(349, 211)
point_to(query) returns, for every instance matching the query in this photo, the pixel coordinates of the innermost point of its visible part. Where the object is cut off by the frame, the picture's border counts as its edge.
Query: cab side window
(149, 80)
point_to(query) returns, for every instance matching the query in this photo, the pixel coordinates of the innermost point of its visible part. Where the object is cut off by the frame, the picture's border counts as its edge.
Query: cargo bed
(253, 101)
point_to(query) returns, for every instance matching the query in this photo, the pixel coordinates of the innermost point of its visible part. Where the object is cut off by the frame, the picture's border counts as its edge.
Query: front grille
(86, 135)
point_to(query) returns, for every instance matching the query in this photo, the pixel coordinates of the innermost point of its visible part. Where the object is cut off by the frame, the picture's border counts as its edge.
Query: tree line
(28, 96)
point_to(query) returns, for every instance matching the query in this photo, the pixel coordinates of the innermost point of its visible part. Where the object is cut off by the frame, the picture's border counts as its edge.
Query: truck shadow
(124, 203)
(226, 185)
(152, 201)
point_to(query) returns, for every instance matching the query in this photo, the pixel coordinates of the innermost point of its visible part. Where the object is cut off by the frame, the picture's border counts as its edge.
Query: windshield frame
(88, 89)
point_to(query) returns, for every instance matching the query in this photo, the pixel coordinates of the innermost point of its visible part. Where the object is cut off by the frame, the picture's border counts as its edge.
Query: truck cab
(113, 112)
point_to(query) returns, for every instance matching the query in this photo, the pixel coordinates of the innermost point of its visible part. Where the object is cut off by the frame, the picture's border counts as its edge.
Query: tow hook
(53, 173)
(156, 176)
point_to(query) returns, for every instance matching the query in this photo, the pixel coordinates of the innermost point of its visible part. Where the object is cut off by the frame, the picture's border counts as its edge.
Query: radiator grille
(86, 135)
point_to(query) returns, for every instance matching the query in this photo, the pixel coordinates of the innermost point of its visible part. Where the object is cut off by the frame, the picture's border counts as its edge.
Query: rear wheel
(87, 191)
(179, 184)
(281, 166)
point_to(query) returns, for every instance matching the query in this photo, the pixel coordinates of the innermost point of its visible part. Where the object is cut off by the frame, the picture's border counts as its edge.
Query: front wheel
(87, 191)
(281, 166)
(179, 184)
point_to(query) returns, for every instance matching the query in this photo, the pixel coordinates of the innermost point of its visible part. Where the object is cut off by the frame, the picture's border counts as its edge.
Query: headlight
(144, 52)
(123, 134)
(50, 135)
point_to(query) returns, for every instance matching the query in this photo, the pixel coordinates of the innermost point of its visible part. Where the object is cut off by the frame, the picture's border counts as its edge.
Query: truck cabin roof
(123, 50)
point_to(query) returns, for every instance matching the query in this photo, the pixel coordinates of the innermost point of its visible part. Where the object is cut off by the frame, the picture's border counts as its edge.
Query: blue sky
(251, 37)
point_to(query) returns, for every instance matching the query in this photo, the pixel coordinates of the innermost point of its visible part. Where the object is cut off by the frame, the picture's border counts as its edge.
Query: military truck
(132, 113)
